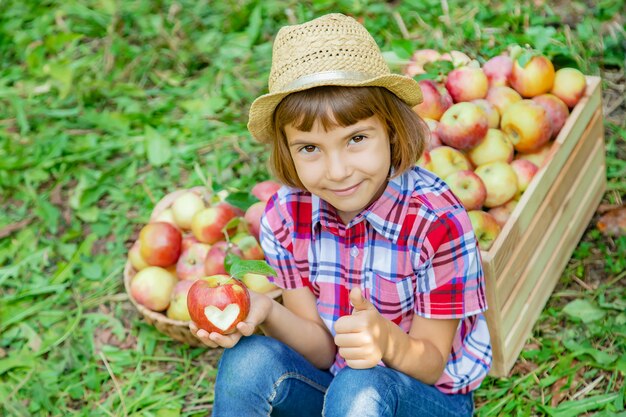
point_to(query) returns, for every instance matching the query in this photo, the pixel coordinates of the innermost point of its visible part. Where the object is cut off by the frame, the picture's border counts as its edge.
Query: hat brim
(260, 122)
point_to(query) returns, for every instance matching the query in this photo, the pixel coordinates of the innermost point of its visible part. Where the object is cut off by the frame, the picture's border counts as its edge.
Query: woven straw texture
(331, 50)
(176, 329)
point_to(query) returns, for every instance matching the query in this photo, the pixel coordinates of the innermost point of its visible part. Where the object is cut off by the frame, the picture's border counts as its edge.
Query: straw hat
(331, 50)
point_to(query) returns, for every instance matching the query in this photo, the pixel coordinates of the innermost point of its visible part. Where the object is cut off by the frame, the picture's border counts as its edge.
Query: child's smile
(346, 166)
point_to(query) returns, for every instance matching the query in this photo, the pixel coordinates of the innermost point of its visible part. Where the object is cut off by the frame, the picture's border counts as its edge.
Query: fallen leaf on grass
(556, 391)
(613, 222)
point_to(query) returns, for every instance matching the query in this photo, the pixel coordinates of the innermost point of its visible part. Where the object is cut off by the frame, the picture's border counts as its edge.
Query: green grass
(105, 106)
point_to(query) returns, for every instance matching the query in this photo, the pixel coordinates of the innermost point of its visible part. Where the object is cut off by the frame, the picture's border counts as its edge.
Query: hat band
(327, 76)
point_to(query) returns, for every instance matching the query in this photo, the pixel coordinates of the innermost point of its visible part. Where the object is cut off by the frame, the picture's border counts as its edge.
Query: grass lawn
(106, 106)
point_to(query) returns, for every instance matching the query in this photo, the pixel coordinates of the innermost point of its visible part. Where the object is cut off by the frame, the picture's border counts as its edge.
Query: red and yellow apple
(527, 125)
(493, 116)
(495, 147)
(556, 109)
(501, 97)
(569, 85)
(503, 213)
(218, 303)
(160, 244)
(498, 70)
(466, 84)
(538, 157)
(533, 79)
(468, 188)
(166, 216)
(214, 260)
(185, 207)
(258, 283)
(249, 246)
(207, 224)
(177, 309)
(419, 58)
(525, 171)
(435, 100)
(485, 228)
(463, 126)
(500, 182)
(445, 160)
(135, 258)
(190, 265)
(152, 287)
(253, 217)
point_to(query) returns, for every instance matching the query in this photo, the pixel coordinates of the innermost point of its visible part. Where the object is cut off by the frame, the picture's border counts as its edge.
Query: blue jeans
(261, 376)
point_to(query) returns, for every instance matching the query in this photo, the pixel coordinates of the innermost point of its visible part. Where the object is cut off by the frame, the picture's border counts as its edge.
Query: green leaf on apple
(232, 224)
(438, 67)
(241, 199)
(241, 267)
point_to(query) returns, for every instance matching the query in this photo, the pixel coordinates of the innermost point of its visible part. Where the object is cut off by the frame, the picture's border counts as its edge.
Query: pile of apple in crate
(180, 265)
(491, 126)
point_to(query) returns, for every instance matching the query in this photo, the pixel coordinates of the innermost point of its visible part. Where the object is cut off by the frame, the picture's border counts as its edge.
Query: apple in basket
(217, 303)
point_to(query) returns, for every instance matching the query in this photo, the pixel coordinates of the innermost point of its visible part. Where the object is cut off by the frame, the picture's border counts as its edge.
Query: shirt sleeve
(277, 244)
(450, 281)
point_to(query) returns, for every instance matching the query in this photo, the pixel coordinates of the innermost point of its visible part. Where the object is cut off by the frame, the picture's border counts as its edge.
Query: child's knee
(359, 392)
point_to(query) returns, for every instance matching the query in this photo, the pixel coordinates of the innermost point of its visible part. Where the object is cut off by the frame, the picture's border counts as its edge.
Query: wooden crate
(528, 257)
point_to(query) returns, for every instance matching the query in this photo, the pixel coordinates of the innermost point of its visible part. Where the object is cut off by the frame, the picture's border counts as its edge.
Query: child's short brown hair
(345, 106)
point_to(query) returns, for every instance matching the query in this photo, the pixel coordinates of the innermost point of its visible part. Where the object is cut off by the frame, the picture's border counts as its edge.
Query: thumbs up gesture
(362, 337)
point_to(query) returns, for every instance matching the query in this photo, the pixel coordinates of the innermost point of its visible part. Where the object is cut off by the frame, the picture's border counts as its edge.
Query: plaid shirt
(413, 251)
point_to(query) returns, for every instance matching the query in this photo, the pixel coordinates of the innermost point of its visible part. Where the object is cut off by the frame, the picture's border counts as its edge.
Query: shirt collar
(386, 214)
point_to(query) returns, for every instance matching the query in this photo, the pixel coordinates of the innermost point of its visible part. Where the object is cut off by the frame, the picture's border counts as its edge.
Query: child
(383, 285)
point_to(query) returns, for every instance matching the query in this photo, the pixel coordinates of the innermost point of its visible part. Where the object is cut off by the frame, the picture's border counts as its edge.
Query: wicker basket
(176, 329)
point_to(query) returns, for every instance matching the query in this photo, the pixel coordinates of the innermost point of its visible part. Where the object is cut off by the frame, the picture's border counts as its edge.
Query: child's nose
(336, 167)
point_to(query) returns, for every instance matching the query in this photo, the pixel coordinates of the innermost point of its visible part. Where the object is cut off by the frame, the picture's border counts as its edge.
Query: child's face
(345, 166)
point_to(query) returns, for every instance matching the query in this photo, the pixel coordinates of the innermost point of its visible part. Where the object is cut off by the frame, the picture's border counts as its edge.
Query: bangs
(333, 106)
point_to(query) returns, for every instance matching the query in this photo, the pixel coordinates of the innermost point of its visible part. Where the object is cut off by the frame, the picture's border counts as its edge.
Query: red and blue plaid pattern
(413, 251)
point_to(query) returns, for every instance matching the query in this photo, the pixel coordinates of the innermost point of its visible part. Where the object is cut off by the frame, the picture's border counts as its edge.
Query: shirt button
(354, 252)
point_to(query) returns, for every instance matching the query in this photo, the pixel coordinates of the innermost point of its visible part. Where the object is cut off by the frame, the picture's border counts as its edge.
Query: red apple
(535, 78)
(178, 301)
(463, 126)
(214, 260)
(500, 181)
(466, 84)
(135, 258)
(253, 217)
(495, 147)
(265, 189)
(498, 70)
(539, 157)
(468, 188)
(445, 160)
(501, 97)
(218, 303)
(485, 227)
(435, 100)
(207, 224)
(493, 116)
(433, 138)
(555, 108)
(525, 171)
(160, 244)
(258, 283)
(527, 125)
(188, 240)
(190, 265)
(503, 213)
(185, 207)
(249, 246)
(569, 86)
(152, 287)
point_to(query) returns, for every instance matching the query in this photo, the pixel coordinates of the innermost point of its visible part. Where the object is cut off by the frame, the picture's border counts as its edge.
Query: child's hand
(260, 307)
(362, 336)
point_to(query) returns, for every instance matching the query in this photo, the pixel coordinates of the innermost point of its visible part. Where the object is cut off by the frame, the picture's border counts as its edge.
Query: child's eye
(357, 139)
(308, 149)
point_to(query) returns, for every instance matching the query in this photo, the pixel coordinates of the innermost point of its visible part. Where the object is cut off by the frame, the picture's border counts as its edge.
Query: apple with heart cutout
(218, 303)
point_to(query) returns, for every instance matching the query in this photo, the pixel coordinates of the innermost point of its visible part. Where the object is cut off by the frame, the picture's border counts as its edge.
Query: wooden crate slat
(526, 245)
(570, 210)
